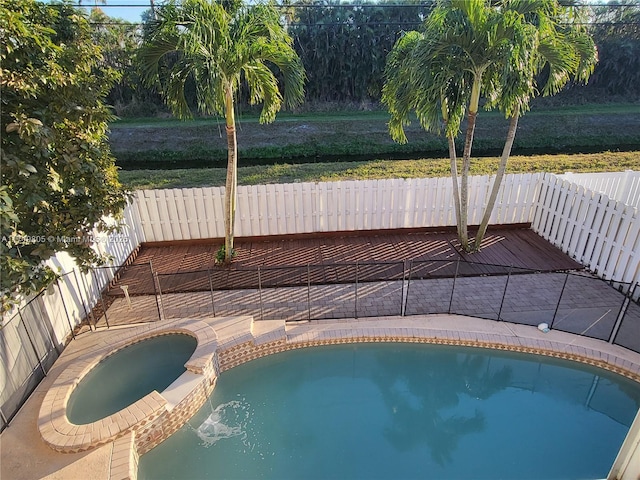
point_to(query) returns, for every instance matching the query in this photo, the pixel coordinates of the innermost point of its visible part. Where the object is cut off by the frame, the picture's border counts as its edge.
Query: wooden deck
(191, 267)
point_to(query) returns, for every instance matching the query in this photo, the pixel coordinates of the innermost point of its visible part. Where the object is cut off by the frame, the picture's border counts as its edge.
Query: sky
(129, 10)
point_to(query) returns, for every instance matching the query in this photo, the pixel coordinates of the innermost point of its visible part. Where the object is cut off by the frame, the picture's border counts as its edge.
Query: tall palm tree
(220, 45)
(471, 48)
(556, 50)
(462, 43)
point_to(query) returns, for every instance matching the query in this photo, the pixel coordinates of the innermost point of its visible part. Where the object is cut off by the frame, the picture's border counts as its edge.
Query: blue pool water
(128, 375)
(402, 411)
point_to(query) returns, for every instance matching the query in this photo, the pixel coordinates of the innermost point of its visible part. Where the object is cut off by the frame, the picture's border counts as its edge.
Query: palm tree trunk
(232, 179)
(454, 166)
(506, 153)
(466, 162)
(454, 178)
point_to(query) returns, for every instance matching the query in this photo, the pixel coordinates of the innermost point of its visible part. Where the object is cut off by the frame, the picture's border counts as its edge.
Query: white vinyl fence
(621, 186)
(601, 233)
(591, 217)
(186, 214)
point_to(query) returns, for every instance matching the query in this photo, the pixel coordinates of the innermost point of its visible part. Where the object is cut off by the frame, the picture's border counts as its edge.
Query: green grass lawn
(376, 169)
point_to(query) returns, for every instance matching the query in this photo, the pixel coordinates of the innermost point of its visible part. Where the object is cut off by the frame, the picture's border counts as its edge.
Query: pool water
(402, 411)
(128, 375)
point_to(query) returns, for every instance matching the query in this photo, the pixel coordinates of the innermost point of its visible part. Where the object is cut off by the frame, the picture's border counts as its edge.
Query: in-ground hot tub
(128, 375)
(139, 381)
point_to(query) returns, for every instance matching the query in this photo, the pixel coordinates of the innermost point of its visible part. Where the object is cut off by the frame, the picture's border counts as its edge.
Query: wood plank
(284, 261)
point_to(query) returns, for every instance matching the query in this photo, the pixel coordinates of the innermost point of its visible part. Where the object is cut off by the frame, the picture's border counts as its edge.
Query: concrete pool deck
(24, 454)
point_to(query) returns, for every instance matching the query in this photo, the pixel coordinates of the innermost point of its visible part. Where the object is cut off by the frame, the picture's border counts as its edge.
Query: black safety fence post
(308, 292)
(566, 279)
(504, 293)
(356, 294)
(64, 305)
(260, 293)
(213, 303)
(404, 273)
(157, 292)
(623, 312)
(33, 346)
(104, 308)
(453, 287)
(406, 298)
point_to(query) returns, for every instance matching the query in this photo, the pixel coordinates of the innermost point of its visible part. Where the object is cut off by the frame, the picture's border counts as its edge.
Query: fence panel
(28, 349)
(601, 233)
(586, 308)
(478, 296)
(183, 214)
(133, 300)
(629, 333)
(428, 295)
(621, 186)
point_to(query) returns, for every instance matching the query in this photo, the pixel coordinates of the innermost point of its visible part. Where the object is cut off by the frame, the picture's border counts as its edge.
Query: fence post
(24, 324)
(308, 292)
(566, 279)
(104, 308)
(260, 293)
(406, 298)
(356, 293)
(404, 273)
(622, 313)
(157, 293)
(64, 305)
(213, 305)
(504, 293)
(453, 287)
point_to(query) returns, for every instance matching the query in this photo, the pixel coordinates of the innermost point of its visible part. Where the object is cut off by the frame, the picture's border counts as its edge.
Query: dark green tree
(59, 179)
(344, 46)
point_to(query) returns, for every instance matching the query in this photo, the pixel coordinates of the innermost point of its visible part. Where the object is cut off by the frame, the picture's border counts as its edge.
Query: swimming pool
(394, 411)
(128, 375)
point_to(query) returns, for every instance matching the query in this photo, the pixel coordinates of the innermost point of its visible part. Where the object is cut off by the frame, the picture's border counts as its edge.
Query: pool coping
(224, 343)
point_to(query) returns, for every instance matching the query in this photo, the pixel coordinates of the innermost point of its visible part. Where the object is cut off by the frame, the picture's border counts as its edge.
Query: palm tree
(553, 46)
(463, 42)
(220, 45)
(470, 48)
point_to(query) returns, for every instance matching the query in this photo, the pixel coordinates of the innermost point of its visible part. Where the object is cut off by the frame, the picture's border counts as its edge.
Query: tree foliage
(344, 47)
(221, 46)
(469, 49)
(58, 176)
(617, 34)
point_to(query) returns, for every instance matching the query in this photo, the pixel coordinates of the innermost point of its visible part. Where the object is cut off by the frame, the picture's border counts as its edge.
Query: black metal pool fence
(574, 302)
